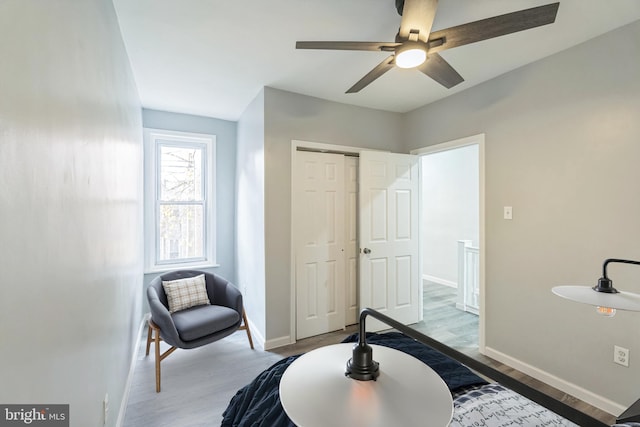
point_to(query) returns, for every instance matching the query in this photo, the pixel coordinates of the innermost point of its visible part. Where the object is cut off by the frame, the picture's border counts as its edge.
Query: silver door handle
(366, 251)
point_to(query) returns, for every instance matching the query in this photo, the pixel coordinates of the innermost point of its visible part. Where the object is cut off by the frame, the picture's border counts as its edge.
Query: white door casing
(478, 139)
(351, 223)
(318, 215)
(389, 236)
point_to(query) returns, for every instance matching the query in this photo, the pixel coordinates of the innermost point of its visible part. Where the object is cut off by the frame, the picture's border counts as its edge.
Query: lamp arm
(622, 261)
(384, 319)
(605, 285)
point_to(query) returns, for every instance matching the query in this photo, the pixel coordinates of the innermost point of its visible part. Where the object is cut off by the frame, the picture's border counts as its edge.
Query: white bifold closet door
(319, 215)
(356, 240)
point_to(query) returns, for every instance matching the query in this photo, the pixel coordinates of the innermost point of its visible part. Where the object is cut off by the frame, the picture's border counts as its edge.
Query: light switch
(508, 212)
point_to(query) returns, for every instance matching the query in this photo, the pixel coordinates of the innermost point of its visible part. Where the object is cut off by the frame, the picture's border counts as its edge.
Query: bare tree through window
(181, 232)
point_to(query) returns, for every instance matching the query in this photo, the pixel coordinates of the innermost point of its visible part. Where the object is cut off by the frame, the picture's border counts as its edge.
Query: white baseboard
(565, 386)
(277, 342)
(439, 281)
(260, 341)
(471, 310)
(132, 367)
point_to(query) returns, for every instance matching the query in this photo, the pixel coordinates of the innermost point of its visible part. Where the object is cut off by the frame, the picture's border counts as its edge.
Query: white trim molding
(153, 138)
(552, 380)
(258, 338)
(440, 281)
(132, 367)
(479, 140)
(277, 342)
(260, 341)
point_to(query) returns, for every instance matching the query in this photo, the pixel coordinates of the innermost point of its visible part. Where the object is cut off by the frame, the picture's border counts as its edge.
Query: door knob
(366, 251)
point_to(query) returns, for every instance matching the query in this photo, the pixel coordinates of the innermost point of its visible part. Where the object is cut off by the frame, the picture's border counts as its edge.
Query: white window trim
(150, 197)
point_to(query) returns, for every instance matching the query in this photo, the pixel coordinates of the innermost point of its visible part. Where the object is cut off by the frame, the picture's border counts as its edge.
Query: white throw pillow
(186, 293)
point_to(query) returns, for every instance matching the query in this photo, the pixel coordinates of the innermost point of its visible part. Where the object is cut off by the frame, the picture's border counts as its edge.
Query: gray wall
(225, 132)
(450, 210)
(289, 116)
(250, 186)
(71, 207)
(562, 149)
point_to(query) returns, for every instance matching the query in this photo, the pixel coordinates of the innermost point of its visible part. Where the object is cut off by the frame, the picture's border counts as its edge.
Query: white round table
(315, 392)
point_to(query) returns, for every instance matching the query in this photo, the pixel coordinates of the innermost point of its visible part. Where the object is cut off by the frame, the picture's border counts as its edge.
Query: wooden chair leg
(245, 327)
(155, 330)
(153, 334)
(158, 360)
(148, 339)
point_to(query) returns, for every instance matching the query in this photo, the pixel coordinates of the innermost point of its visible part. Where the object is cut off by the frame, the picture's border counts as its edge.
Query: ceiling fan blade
(492, 27)
(328, 45)
(417, 16)
(439, 70)
(379, 70)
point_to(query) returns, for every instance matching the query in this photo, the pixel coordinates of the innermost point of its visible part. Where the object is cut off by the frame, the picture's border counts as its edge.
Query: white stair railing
(468, 277)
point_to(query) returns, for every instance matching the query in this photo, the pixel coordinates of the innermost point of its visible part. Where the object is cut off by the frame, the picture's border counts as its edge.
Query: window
(179, 200)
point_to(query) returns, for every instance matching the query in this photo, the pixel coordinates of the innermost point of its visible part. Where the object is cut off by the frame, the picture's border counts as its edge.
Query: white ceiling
(212, 57)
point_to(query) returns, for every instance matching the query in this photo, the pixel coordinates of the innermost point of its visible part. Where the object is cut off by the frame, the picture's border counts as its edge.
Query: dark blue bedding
(258, 403)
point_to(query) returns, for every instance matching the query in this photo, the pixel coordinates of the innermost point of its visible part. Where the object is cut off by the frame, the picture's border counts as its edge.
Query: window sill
(172, 267)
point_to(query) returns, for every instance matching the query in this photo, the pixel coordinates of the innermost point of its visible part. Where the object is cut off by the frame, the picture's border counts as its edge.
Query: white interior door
(319, 212)
(389, 236)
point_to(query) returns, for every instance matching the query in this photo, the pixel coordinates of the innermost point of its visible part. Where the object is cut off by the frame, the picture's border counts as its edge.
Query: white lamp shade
(315, 392)
(586, 295)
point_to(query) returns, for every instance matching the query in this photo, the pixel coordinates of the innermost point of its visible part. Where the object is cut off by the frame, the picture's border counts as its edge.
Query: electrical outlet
(105, 408)
(508, 212)
(621, 355)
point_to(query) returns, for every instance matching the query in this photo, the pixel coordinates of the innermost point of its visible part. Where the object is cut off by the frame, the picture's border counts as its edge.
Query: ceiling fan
(417, 47)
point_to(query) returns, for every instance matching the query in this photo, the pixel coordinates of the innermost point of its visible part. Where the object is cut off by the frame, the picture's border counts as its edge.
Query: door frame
(479, 140)
(319, 147)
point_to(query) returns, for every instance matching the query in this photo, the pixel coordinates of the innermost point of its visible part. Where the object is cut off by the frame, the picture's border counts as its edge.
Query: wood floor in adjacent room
(198, 384)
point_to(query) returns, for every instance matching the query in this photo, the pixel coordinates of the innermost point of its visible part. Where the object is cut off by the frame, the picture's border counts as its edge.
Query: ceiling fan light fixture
(410, 55)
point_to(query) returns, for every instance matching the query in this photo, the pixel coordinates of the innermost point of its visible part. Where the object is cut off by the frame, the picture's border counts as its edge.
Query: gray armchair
(195, 326)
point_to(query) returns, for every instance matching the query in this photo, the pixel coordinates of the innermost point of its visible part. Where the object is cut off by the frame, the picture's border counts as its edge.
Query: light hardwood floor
(444, 322)
(198, 384)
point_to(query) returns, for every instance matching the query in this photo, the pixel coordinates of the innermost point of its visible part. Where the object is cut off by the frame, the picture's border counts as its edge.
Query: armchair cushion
(186, 293)
(197, 322)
